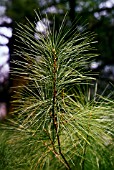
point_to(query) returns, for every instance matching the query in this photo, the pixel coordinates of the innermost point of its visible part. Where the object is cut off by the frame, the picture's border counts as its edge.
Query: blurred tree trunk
(72, 6)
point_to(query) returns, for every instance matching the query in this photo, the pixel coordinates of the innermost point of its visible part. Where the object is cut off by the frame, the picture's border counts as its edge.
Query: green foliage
(54, 124)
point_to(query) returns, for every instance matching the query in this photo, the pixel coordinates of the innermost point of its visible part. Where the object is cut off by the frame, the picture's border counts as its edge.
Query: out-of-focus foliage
(20, 9)
(100, 14)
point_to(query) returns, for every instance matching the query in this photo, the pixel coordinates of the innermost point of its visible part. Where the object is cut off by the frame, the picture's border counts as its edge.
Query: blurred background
(98, 15)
